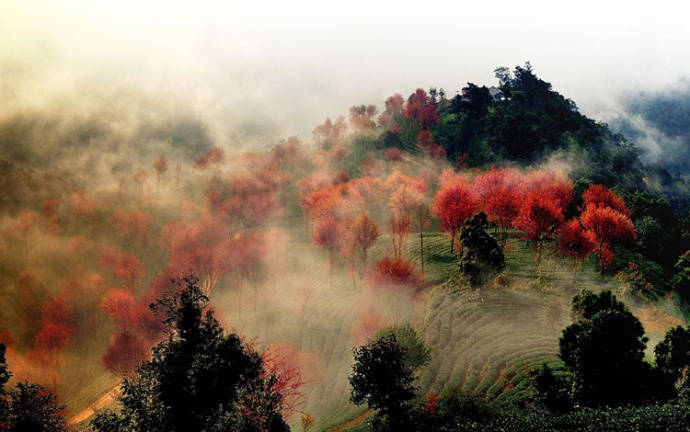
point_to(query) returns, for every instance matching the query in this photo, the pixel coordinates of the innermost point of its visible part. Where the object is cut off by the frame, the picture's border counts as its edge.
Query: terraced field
(484, 341)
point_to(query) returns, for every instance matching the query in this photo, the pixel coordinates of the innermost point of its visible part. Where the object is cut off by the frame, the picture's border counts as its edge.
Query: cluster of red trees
(339, 212)
(536, 203)
(56, 331)
(608, 219)
(226, 236)
(420, 111)
(134, 225)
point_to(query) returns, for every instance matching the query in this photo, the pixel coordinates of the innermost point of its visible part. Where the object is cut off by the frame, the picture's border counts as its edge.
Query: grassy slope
(483, 341)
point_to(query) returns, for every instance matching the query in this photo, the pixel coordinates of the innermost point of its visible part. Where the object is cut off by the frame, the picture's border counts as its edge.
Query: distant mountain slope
(659, 123)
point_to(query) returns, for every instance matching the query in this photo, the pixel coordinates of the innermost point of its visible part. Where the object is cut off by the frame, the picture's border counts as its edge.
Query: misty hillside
(23, 185)
(490, 259)
(659, 123)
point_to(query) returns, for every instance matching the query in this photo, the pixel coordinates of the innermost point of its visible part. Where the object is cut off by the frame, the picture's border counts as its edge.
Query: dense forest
(491, 260)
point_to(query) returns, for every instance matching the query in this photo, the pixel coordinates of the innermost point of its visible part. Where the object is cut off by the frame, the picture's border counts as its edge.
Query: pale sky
(291, 64)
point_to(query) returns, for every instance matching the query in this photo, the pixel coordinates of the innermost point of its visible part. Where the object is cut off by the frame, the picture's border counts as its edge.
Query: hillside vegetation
(475, 219)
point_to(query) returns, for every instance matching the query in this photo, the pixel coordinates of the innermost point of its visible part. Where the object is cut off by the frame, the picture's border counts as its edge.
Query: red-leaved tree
(121, 307)
(453, 204)
(293, 369)
(576, 241)
(329, 235)
(393, 154)
(539, 217)
(242, 202)
(133, 225)
(330, 132)
(609, 226)
(420, 109)
(160, 165)
(125, 353)
(390, 117)
(500, 193)
(396, 272)
(400, 228)
(123, 265)
(57, 329)
(361, 235)
(426, 143)
(601, 196)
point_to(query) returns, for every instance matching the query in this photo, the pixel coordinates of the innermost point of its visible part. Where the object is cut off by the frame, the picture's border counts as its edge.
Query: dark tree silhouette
(605, 352)
(673, 352)
(481, 257)
(381, 379)
(550, 390)
(200, 378)
(27, 407)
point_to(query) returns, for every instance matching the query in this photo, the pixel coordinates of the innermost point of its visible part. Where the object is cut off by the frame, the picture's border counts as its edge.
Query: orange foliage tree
(408, 200)
(361, 235)
(399, 229)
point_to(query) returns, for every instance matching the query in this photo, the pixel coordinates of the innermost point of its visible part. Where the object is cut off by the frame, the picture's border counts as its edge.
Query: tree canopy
(200, 378)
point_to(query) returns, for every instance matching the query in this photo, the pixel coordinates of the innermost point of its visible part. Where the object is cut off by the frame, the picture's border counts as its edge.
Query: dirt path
(100, 403)
(354, 422)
